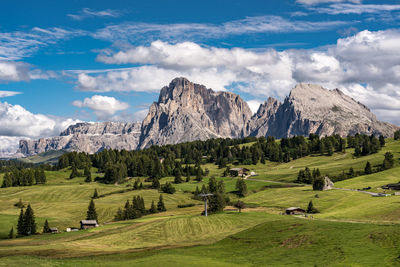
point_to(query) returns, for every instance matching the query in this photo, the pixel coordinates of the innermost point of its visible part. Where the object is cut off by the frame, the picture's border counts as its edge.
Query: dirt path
(355, 190)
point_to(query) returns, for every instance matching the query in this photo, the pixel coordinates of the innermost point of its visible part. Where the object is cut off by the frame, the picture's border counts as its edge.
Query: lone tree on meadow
(46, 227)
(87, 174)
(311, 208)
(95, 194)
(239, 205)
(91, 212)
(161, 205)
(241, 187)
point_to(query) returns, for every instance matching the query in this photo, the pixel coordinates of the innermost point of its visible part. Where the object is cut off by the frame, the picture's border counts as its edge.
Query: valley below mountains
(186, 111)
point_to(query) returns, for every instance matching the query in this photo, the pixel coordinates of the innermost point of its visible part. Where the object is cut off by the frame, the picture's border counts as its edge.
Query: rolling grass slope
(255, 237)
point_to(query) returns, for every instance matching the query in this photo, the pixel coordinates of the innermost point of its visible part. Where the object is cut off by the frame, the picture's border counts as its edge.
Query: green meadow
(352, 229)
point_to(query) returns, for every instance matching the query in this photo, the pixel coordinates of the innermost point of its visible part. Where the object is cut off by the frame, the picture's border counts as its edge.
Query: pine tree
(382, 140)
(43, 176)
(20, 225)
(153, 208)
(91, 213)
(74, 172)
(318, 183)
(196, 193)
(11, 233)
(262, 159)
(160, 204)
(95, 194)
(388, 161)
(119, 216)
(86, 171)
(29, 221)
(368, 168)
(351, 172)
(136, 184)
(88, 178)
(311, 209)
(46, 227)
(155, 184)
(178, 176)
(199, 174)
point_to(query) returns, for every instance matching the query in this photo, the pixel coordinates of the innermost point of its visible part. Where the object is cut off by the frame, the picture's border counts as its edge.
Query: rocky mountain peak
(187, 111)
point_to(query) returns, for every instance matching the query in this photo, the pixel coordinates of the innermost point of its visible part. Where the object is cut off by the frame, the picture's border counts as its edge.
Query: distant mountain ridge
(186, 111)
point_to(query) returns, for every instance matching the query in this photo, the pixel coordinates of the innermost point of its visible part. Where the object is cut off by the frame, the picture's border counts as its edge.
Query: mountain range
(187, 111)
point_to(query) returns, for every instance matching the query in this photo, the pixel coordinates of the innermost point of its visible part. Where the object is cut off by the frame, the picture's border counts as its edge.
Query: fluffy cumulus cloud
(365, 65)
(18, 123)
(14, 71)
(103, 106)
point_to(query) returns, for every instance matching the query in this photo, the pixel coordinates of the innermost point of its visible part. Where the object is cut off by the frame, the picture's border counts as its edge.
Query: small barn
(392, 186)
(294, 211)
(87, 224)
(238, 172)
(54, 230)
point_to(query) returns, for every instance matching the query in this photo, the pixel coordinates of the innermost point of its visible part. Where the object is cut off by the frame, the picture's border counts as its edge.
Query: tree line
(315, 178)
(24, 177)
(137, 209)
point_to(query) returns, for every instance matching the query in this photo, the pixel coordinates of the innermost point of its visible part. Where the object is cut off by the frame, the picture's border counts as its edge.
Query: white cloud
(344, 8)
(18, 123)
(89, 13)
(14, 71)
(254, 104)
(8, 93)
(20, 44)
(146, 32)
(317, 2)
(103, 106)
(365, 65)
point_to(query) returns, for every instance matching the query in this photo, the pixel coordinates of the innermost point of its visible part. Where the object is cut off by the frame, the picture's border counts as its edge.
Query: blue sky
(68, 61)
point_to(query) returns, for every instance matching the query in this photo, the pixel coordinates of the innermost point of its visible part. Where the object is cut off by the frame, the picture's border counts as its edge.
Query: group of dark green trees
(24, 177)
(137, 209)
(26, 222)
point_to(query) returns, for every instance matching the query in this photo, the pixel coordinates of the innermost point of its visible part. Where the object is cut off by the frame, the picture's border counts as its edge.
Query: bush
(168, 188)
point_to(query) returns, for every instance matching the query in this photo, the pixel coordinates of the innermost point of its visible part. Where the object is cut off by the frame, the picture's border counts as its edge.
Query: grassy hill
(353, 228)
(50, 157)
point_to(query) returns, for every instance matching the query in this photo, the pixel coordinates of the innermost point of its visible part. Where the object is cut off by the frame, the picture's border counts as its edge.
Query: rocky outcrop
(313, 109)
(186, 111)
(87, 137)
